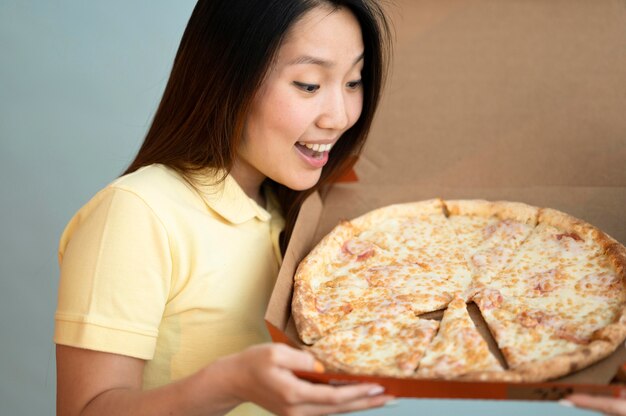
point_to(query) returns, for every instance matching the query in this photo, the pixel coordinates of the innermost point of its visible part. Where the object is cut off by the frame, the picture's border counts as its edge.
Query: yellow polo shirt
(156, 269)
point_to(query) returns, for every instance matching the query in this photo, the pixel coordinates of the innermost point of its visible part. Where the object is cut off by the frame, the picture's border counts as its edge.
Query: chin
(302, 182)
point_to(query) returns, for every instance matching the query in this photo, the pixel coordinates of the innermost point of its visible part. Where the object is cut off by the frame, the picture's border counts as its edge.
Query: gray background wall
(79, 83)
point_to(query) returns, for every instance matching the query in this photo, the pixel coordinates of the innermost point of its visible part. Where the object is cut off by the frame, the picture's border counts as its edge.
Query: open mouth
(314, 150)
(315, 154)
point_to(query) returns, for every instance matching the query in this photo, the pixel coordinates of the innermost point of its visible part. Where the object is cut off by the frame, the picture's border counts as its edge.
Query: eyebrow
(311, 60)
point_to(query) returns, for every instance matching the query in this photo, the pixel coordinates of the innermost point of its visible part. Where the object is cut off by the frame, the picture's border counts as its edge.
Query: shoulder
(156, 185)
(154, 197)
(154, 190)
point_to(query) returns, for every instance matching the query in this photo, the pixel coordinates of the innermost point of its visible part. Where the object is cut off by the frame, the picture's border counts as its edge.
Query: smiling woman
(166, 273)
(228, 53)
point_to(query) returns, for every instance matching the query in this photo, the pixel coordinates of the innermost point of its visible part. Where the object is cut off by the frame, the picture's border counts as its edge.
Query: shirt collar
(229, 200)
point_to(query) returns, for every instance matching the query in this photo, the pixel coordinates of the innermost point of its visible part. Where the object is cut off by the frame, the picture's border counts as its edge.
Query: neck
(250, 180)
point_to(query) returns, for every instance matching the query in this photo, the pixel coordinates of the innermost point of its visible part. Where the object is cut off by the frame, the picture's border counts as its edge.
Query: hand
(606, 405)
(263, 374)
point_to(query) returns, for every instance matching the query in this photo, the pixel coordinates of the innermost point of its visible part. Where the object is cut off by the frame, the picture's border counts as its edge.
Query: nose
(334, 111)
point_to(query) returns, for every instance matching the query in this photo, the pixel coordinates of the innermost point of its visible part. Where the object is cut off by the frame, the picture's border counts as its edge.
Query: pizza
(388, 293)
(458, 348)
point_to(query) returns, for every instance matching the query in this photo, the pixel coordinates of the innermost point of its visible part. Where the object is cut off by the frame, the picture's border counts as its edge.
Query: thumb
(603, 404)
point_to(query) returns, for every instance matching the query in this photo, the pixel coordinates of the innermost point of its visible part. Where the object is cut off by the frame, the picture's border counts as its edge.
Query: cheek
(294, 115)
(287, 117)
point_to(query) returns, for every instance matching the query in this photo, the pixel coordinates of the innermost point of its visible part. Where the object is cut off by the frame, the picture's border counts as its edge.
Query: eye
(353, 85)
(310, 88)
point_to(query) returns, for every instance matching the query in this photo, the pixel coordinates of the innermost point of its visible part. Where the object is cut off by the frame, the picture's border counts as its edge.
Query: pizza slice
(416, 233)
(586, 297)
(424, 286)
(489, 233)
(554, 263)
(524, 334)
(391, 346)
(350, 300)
(458, 349)
(330, 278)
(558, 242)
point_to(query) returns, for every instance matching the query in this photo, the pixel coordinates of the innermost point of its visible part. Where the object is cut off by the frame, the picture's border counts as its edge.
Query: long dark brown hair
(225, 53)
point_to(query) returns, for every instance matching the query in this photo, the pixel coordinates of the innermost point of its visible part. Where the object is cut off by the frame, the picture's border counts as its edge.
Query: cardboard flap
(513, 93)
(278, 311)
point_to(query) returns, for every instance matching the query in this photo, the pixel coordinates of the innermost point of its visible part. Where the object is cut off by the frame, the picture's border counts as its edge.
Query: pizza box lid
(502, 94)
(519, 101)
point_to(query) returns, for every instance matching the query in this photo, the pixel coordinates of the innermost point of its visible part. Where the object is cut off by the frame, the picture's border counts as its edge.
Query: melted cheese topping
(524, 334)
(388, 347)
(488, 243)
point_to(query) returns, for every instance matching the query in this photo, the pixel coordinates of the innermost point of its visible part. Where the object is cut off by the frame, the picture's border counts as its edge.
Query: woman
(166, 273)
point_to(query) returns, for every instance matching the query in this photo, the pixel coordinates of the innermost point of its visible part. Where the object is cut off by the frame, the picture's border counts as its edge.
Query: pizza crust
(615, 252)
(614, 333)
(564, 364)
(569, 224)
(302, 309)
(502, 210)
(412, 209)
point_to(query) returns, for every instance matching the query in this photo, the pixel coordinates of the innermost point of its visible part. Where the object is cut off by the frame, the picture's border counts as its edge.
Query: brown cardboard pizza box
(498, 100)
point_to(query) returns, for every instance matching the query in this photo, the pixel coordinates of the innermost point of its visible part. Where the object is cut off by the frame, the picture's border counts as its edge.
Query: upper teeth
(317, 147)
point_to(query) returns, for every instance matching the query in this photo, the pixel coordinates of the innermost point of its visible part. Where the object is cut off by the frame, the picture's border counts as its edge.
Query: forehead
(330, 34)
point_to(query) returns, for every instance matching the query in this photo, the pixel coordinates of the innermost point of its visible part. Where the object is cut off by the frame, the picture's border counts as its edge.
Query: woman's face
(310, 97)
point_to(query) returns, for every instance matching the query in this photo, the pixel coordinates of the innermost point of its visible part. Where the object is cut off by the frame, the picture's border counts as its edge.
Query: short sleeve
(115, 276)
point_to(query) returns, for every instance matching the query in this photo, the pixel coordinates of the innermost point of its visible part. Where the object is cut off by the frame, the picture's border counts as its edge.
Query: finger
(602, 404)
(351, 406)
(293, 359)
(332, 395)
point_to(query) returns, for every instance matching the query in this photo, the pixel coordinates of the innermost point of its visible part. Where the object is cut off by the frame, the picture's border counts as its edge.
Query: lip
(311, 161)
